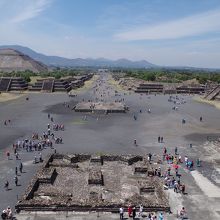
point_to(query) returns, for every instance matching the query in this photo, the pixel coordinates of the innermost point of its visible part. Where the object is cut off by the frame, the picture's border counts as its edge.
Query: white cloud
(185, 27)
(29, 9)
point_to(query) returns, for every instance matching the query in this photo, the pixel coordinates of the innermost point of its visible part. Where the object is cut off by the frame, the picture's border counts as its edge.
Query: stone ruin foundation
(84, 182)
(101, 107)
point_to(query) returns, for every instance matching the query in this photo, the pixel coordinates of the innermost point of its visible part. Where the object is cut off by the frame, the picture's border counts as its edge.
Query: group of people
(160, 139)
(7, 213)
(35, 144)
(6, 122)
(134, 213)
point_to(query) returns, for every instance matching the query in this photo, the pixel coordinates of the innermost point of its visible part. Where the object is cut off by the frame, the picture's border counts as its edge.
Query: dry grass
(34, 79)
(88, 84)
(115, 84)
(4, 97)
(202, 100)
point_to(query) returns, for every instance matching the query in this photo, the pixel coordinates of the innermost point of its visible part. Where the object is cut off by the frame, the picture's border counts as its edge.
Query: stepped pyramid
(12, 84)
(13, 60)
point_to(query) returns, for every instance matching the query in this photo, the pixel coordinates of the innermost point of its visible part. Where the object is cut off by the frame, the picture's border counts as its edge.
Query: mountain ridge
(79, 62)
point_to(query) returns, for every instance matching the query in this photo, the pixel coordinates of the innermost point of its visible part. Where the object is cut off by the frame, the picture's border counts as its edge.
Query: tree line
(57, 73)
(171, 75)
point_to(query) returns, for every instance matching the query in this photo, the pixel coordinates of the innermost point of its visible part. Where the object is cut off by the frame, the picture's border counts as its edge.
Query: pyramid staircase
(149, 88)
(61, 86)
(213, 93)
(5, 84)
(12, 84)
(47, 85)
(190, 89)
(51, 85)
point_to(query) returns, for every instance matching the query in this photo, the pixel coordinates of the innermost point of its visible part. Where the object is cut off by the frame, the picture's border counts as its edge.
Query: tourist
(8, 155)
(149, 157)
(183, 188)
(17, 156)
(4, 214)
(35, 159)
(6, 185)
(16, 180)
(176, 150)
(182, 213)
(200, 119)
(40, 157)
(186, 161)
(158, 139)
(161, 216)
(135, 142)
(134, 212)
(141, 208)
(121, 212)
(9, 213)
(16, 171)
(161, 140)
(21, 167)
(129, 210)
(176, 187)
(198, 162)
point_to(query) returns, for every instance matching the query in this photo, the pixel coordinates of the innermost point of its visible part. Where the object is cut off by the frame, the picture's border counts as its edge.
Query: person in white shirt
(121, 211)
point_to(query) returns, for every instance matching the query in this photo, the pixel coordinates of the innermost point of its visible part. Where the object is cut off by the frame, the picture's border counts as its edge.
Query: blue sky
(164, 32)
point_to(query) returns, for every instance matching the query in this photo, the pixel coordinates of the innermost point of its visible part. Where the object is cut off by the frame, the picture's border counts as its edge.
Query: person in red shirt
(129, 210)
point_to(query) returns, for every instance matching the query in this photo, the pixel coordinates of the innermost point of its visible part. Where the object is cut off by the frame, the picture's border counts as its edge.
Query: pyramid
(13, 60)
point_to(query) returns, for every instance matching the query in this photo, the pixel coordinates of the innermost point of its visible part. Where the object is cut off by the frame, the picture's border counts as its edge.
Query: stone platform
(91, 185)
(101, 107)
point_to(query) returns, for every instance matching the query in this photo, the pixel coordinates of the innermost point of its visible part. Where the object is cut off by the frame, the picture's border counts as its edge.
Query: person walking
(158, 139)
(8, 155)
(121, 213)
(161, 216)
(141, 208)
(6, 185)
(16, 171)
(149, 157)
(21, 167)
(129, 211)
(176, 150)
(135, 142)
(134, 212)
(16, 180)
(40, 157)
(16, 156)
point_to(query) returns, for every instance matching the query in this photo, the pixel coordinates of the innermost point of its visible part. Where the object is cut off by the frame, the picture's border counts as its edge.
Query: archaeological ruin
(102, 182)
(101, 107)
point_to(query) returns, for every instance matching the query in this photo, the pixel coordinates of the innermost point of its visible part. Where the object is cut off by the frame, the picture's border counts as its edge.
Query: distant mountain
(14, 60)
(79, 62)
